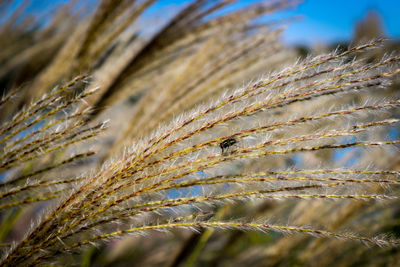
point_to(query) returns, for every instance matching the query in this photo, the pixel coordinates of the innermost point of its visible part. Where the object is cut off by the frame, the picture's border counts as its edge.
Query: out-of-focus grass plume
(212, 123)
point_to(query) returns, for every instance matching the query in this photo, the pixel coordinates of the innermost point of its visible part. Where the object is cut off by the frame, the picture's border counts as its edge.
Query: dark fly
(227, 143)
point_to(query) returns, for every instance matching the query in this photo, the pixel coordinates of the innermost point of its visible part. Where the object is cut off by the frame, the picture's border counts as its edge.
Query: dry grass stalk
(226, 146)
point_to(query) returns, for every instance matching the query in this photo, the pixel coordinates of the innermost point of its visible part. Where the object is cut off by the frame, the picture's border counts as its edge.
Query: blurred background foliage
(151, 66)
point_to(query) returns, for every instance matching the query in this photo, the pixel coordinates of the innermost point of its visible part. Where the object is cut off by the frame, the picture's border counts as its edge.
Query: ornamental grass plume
(303, 150)
(43, 130)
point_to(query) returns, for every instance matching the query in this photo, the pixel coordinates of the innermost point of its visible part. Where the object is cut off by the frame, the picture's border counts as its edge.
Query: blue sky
(333, 20)
(324, 21)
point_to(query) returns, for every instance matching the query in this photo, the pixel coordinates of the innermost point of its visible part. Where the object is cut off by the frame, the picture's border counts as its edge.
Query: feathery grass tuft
(308, 144)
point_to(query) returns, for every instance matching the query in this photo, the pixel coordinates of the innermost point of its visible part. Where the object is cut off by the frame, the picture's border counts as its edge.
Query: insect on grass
(227, 143)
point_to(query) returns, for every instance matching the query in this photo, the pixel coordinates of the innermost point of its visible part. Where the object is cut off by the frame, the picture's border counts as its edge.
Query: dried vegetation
(309, 149)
